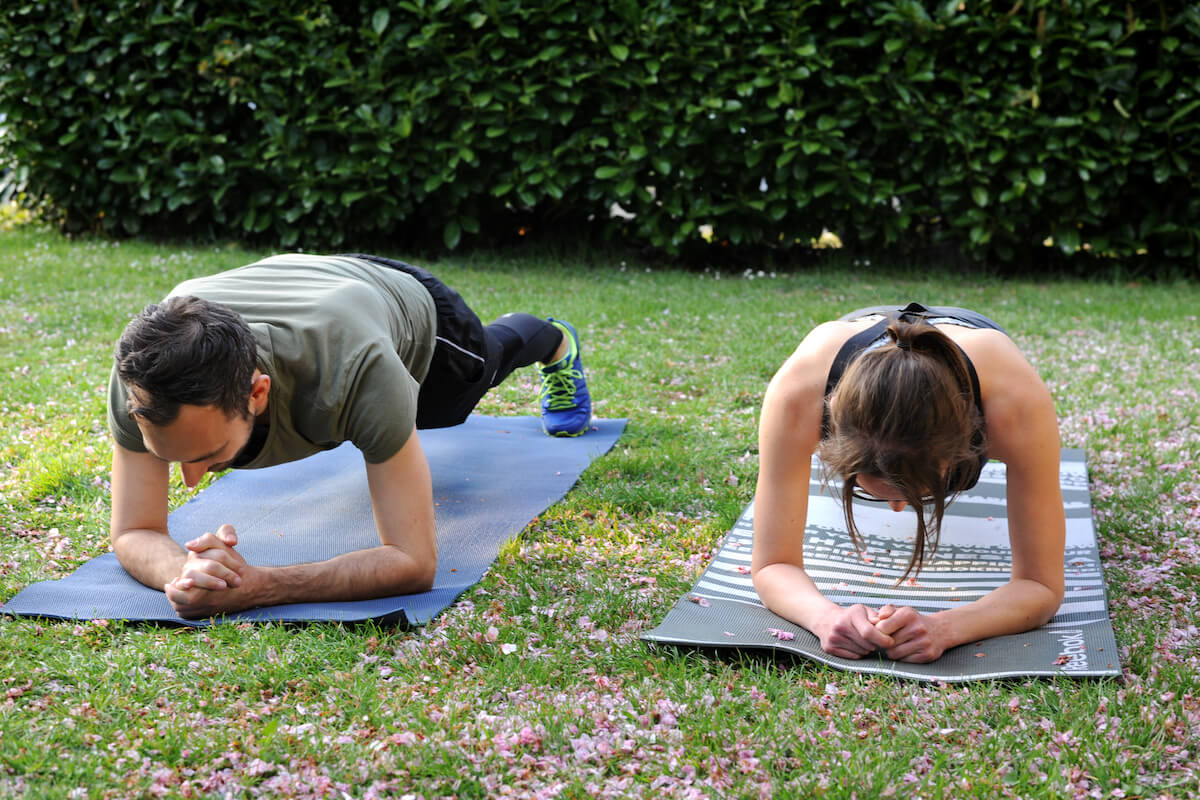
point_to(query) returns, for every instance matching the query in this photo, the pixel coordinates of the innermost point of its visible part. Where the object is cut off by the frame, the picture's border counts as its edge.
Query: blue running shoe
(566, 404)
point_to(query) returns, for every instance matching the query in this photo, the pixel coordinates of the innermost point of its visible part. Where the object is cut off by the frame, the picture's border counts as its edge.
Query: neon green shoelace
(559, 387)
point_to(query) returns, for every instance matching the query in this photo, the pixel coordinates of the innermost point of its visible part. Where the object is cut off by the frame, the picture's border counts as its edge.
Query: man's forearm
(361, 575)
(152, 558)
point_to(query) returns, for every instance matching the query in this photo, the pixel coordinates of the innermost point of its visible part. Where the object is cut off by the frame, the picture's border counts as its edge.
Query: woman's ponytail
(905, 412)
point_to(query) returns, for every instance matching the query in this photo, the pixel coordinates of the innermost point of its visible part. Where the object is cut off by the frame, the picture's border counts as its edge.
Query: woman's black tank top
(867, 339)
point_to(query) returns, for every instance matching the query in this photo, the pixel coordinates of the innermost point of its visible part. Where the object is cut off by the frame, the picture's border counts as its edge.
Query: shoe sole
(567, 434)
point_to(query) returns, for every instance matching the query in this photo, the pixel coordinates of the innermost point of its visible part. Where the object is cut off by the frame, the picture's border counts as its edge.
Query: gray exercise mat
(723, 610)
(491, 476)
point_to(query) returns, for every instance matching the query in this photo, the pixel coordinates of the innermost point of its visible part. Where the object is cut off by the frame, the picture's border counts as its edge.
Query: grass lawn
(581, 708)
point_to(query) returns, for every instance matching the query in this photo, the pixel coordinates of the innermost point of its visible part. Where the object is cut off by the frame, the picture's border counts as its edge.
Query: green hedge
(898, 124)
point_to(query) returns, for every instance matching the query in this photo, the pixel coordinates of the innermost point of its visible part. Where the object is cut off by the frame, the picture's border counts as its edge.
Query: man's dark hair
(186, 351)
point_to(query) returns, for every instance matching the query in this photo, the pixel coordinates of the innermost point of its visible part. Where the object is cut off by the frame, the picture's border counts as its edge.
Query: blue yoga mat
(491, 477)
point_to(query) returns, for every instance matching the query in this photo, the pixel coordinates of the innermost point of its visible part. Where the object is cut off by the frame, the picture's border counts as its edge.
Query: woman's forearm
(1015, 607)
(788, 591)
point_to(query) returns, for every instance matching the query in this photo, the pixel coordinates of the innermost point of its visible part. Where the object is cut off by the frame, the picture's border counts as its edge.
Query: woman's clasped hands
(900, 633)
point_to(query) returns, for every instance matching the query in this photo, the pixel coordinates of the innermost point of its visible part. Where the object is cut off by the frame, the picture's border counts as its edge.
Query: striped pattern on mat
(972, 559)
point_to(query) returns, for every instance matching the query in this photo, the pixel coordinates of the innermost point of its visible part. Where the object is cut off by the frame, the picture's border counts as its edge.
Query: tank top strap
(963, 479)
(845, 354)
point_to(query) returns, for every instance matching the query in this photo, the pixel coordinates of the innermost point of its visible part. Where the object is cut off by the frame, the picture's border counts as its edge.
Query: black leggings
(468, 358)
(523, 339)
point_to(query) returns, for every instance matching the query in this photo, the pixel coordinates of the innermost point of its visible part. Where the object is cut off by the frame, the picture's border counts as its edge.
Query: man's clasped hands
(213, 570)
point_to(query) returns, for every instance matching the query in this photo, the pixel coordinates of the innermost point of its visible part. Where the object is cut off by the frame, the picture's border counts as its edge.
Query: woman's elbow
(1051, 601)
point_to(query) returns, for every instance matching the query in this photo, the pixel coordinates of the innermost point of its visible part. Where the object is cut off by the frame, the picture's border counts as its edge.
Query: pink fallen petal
(508, 648)
(700, 601)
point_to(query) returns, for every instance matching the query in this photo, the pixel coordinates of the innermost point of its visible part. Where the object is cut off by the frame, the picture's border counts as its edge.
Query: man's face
(201, 439)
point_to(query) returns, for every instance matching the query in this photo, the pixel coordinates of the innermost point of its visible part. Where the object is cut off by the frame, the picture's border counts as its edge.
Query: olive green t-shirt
(345, 342)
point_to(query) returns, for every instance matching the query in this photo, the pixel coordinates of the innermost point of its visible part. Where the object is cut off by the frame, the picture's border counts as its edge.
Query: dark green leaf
(451, 234)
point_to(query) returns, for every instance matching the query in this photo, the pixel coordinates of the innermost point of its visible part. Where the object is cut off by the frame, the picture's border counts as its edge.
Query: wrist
(819, 616)
(945, 630)
(153, 559)
(258, 587)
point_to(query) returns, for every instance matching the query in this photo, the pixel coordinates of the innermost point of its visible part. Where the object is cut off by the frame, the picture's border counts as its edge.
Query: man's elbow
(128, 547)
(411, 574)
(424, 575)
(117, 541)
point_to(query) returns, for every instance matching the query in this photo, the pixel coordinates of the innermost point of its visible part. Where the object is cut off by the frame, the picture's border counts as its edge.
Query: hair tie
(903, 344)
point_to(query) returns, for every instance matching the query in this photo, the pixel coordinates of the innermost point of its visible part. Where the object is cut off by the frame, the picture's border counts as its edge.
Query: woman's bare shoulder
(999, 362)
(815, 353)
(795, 397)
(1016, 401)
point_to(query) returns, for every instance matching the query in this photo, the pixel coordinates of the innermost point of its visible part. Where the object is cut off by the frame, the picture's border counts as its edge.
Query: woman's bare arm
(789, 431)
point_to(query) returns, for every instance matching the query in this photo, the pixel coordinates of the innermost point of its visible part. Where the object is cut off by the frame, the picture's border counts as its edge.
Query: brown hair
(905, 412)
(186, 350)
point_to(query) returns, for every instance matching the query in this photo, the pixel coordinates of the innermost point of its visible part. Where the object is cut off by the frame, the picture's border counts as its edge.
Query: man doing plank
(291, 355)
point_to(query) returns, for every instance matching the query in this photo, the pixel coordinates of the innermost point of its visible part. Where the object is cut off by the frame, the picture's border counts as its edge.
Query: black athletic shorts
(465, 358)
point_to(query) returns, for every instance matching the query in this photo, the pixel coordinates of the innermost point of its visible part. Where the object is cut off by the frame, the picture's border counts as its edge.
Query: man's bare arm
(138, 527)
(405, 562)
